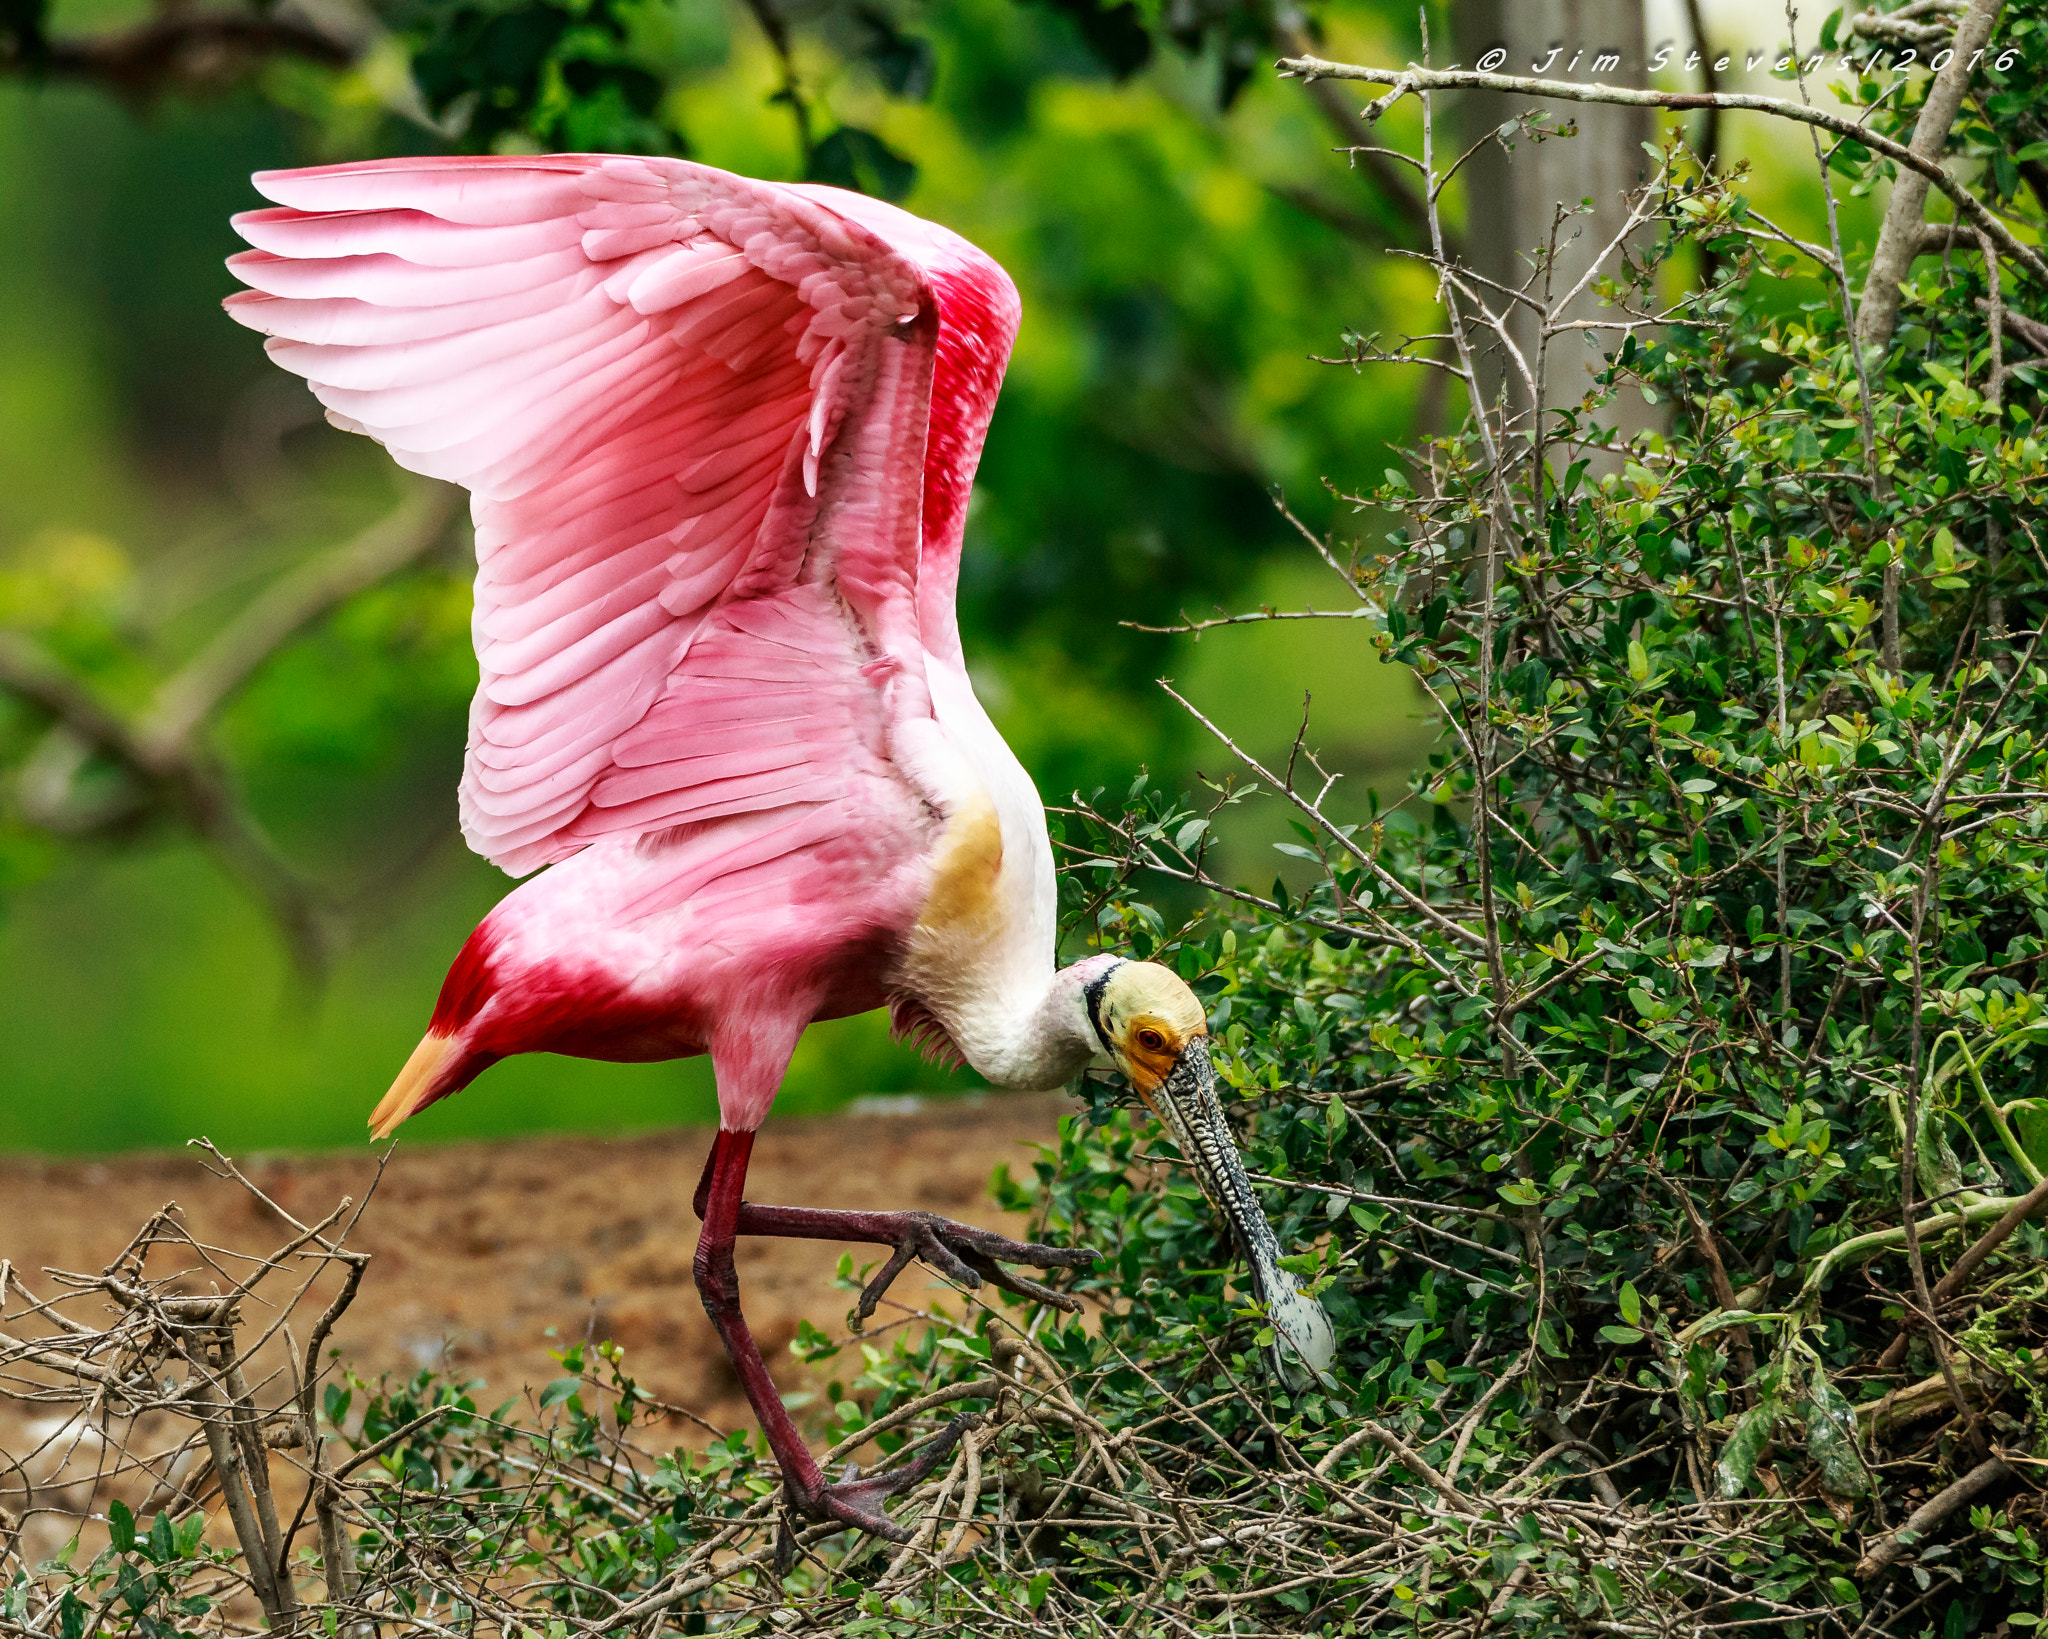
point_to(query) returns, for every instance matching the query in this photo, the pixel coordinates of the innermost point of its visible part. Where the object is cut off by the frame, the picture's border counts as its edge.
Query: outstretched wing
(692, 411)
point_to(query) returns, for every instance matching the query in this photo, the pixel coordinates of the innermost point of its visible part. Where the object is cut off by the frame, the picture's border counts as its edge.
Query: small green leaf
(1626, 1336)
(558, 1391)
(1631, 1304)
(121, 1528)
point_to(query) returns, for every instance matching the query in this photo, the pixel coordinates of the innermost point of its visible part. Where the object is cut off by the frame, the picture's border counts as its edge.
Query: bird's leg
(854, 1502)
(966, 1252)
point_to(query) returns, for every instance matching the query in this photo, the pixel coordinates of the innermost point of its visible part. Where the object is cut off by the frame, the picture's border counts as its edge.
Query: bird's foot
(970, 1255)
(858, 1502)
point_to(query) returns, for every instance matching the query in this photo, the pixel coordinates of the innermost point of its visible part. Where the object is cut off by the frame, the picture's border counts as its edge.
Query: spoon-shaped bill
(1304, 1342)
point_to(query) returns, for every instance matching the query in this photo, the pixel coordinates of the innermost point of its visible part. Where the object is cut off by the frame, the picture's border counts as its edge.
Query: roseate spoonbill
(719, 436)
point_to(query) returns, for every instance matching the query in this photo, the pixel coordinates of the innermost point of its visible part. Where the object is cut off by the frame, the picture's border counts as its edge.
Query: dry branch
(1931, 1513)
(1951, 1284)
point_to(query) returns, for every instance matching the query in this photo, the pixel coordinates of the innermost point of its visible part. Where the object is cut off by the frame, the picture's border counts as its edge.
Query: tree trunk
(1898, 239)
(1512, 200)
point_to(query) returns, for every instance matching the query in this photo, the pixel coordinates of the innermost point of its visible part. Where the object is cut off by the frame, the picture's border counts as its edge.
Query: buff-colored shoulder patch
(968, 866)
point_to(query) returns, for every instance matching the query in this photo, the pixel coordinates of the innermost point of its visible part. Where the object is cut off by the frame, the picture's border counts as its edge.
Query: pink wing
(694, 413)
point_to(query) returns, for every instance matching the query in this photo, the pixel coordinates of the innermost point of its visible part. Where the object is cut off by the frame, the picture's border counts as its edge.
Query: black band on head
(1093, 994)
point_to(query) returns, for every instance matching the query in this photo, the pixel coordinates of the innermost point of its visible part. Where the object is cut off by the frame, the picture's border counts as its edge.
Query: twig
(1409, 80)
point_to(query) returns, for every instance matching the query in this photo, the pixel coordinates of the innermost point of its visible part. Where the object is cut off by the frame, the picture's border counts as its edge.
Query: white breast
(982, 954)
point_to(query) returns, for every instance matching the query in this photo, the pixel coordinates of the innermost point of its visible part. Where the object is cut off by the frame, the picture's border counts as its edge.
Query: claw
(858, 1502)
(968, 1255)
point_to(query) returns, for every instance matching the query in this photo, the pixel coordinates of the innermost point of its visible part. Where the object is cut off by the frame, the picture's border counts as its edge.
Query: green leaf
(1035, 1589)
(1745, 1447)
(121, 1528)
(558, 1391)
(1831, 1439)
(1626, 1336)
(1630, 1304)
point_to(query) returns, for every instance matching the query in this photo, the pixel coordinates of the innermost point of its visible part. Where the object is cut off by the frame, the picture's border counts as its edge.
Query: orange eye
(1151, 1041)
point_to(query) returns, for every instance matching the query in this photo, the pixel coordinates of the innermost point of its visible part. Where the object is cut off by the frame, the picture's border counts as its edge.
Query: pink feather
(720, 475)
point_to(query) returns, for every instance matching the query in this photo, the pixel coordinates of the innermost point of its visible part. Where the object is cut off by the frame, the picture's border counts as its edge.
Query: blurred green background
(1180, 261)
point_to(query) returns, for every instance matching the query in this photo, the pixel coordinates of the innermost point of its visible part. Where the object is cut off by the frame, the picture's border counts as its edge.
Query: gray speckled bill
(1304, 1341)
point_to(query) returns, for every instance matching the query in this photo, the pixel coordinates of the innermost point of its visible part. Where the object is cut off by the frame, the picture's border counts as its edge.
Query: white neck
(1029, 1043)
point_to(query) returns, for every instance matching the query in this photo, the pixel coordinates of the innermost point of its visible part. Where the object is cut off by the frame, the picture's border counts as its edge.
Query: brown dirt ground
(480, 1248)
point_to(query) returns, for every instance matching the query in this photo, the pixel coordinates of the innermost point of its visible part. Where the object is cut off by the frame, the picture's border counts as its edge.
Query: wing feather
(680, 399)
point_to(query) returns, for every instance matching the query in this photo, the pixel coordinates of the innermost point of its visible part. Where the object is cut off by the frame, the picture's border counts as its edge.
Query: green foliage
(565, 76)
(154, 1581)
(1595, 1080)
(602, 74)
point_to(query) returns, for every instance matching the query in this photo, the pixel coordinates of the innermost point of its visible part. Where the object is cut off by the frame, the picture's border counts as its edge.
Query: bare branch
(1411, 80)
(198, 49)
(289, 605)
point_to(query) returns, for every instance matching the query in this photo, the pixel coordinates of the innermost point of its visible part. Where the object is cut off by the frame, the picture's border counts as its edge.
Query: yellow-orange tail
(414, 1086)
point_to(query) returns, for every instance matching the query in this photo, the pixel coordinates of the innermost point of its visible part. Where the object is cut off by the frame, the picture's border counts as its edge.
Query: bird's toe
(858, 1503)
(990, 1244)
